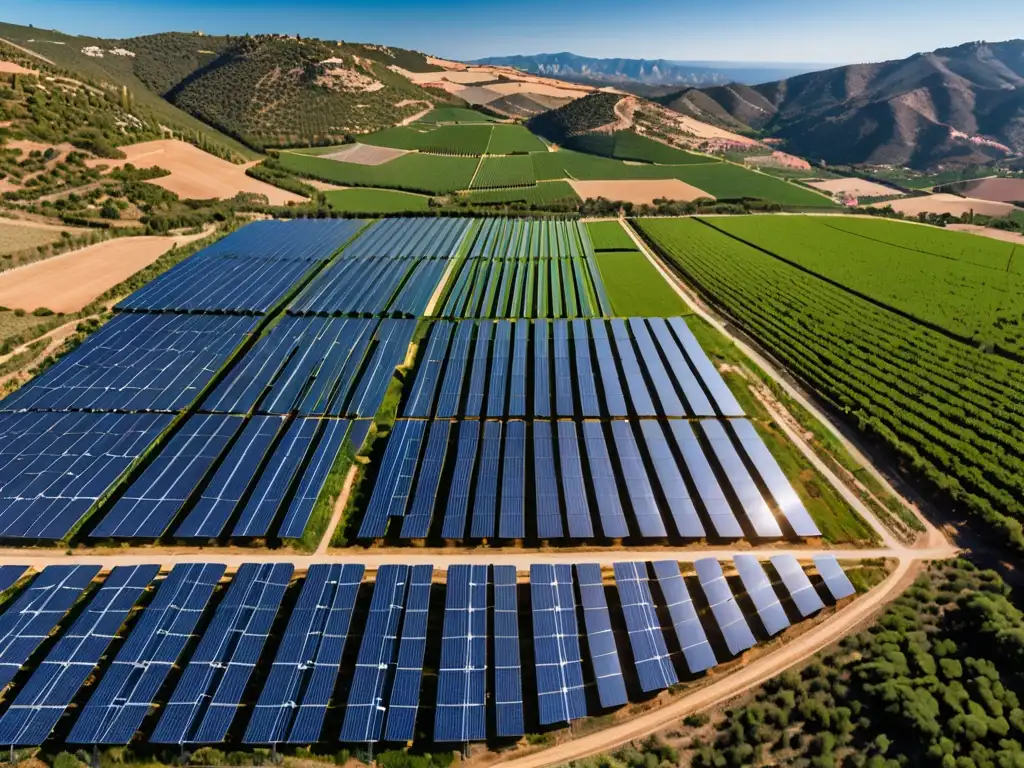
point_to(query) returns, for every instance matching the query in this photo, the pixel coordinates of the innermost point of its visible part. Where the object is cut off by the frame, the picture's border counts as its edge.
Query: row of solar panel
(137, 362)
(423, 238)
(316, 366)
(248, 272)
(503, 238)
(254, 477)
(661, 471)
(384, 691)
(562, 368)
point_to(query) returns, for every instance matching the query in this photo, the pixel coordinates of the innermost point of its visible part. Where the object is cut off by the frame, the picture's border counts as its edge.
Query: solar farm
(409, 481)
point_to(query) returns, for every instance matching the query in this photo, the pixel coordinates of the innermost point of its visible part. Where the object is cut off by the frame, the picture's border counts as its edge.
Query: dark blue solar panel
(696, 400)
(455, 372)
(664, 389)
(805, 597)
(149, 506)
(606, 492)
(210, 689)
(485, 502)
(564, 382)
(499, 369)
(735, 630)
(573, 483)
(416, 524)
(670, 480)
(457, 510)
(313, 478)
(653, 664)
(512, 520)
(636, 385)
(520, 358)
(508, 683)
(614, 399)
(760, 515)
(481, 362)
(719, 511)
(410, 238)
(405, 692)
(364, 714)
(541, 369)
(421, 399)
(709, 375)
(38, 609)
(9, 575)
(460, 713)
(53, 685)
(237, 472)
(689, 631)
(548, 507)
(394, 481)
(556, 645)
(604, 657)
(590, 407)
(394, 338)
(129, 686)
(638, 485)
(293, 702)
(762, 594)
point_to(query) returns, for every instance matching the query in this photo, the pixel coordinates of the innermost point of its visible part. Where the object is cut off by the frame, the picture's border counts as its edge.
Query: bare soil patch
(854, 187)
(951, 204)
(196, 174)
(475, 95)
(10, 68)
(639, 190)
(365, 154)
(68, 282)
(998, 190)
(995, 234)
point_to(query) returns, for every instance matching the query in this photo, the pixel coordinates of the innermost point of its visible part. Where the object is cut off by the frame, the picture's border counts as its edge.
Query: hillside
(590, 113)
(953, 106)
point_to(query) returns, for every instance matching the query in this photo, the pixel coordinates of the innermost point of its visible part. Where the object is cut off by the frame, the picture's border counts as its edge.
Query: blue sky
(710, 30)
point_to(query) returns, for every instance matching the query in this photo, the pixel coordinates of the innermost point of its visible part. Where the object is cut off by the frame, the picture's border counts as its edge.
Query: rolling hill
(953, 106)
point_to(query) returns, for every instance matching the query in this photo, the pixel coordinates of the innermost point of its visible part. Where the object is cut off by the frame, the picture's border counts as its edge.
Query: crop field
(456, 115)
(635, 287)
(513, 139)
(609, 236)
(952, 413)
(730, 182)
(368, 201)
(442, 140)
(544, 193)
(971, 287)
(510, 171)
(414, 172)
(627, 145)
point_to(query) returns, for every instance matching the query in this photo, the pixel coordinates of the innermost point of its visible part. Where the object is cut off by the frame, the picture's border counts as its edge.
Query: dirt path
(339, 509)
(413, 118)
(27, 51)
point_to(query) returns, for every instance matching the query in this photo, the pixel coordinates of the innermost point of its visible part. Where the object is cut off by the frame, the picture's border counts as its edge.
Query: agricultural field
(542, 194)
(609, 236)
(627, 145)
(970, 287)
(635, 287)
(513, 139)
(441, 140)
(952, 413)
(371, 201)
(507, 171)
(456, 115)
(429, 174)
(20, 236)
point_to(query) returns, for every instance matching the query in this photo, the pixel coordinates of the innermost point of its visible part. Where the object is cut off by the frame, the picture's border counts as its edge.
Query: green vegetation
(627, 145)
(910, 179)
(950, 414)
(730, 182)
(456, 115)
(969, 286)
(366, 201)
(429, 174)
(513, 139)
(442, 140)
(576, 117)
(547, 193)
(609, 236)
(508, 171)
(635, 287)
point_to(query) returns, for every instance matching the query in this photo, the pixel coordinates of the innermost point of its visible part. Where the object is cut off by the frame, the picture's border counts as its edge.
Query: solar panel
(517, 383)
(590, 407)
(689, 630)
(573, 483)
(486, 499)
(636, 385)
(832, 573)
(364, 713)
(709, 375)
(650, 654)
(405, 693)
(481, 358)
(737, 634)
(54, 467)
(564, 405)
(512, 519)
(398, 467)
(149, 506)
(54, 684)
(671, 482)
(9, 576)
(718, 508)
(416, 524)
(224, 492)
(548, 507)
(606, 492)
(604, 657)
(638, 485)
(696, 400)
(210, 689)
(778, 485)
(541, 369)
(460, 712)
(455, 372)
(762, 594)
(313, 479)
(279, 475)
(805, 596)
(293, 701)
(421, 399)
(129, 686)
(559, 669)
(508, 682)
(454, 526)
(499, 369)
(38, 609)
(754, 506)
(614, 399)
(394, 337)
(664, 389)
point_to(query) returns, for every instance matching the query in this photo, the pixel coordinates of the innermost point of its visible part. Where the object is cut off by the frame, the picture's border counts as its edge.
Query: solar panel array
(578, 644)
(542, 480)
(249, 272)
(521, 268)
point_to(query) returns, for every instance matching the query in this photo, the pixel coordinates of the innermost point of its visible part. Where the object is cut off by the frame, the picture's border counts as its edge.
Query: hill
(591, 113)
(569, 66)
(954, 106)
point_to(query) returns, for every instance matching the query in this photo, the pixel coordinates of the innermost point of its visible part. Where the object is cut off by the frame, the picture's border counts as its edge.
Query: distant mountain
(569, 66)
(953, 106)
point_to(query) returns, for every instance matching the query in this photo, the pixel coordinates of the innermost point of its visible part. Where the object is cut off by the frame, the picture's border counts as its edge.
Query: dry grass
(948, 204)
(639, 191)
(854, 187)
(16, 237)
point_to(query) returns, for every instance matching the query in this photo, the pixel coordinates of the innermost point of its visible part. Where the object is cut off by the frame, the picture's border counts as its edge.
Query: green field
(544, 193)
(610, 236)
(627, 145)
(456, 115)
(951, 413)
(376, 201)
(513, 139)
(442, 140)
(429, 174)
(635, 287)
(509, 171)
(955, 281)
